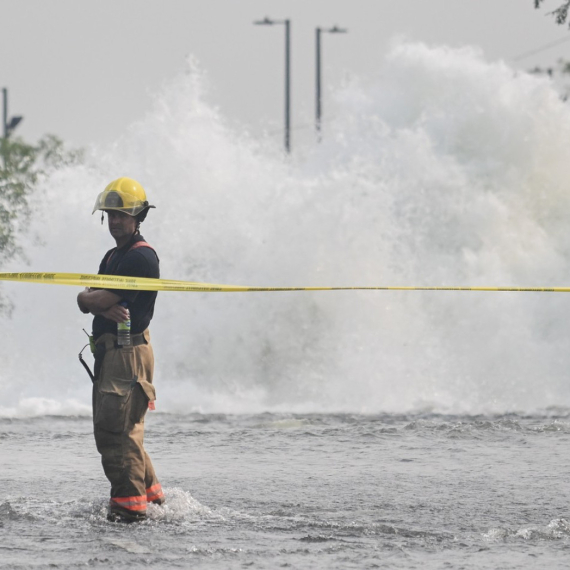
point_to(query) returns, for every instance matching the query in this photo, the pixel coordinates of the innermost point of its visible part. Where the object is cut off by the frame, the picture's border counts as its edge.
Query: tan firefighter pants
(121, 396)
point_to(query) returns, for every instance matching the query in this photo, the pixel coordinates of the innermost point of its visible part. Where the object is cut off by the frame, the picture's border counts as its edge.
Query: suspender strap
(135, 245)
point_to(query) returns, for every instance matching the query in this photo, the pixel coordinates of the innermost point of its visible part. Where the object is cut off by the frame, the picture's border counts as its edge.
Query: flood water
(299, 491)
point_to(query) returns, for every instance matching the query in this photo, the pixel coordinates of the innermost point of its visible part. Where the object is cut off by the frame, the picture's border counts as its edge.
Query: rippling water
(301, 491)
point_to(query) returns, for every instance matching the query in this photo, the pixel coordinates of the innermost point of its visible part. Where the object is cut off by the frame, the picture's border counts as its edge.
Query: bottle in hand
(124, 329)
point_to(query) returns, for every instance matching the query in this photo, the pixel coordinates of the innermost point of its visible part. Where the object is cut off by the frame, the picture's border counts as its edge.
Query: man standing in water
(123, 390)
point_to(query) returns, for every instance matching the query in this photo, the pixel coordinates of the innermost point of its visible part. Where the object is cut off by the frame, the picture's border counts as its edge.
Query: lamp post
(14, 121)
(268, 22)
(7, 126)
(319, 107)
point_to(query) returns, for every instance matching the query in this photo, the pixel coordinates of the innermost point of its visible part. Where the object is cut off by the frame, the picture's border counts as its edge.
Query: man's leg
(119, 432)
(119, 409)
(154, 492)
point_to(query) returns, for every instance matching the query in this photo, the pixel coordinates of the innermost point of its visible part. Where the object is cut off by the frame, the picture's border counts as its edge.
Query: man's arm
(102, 302)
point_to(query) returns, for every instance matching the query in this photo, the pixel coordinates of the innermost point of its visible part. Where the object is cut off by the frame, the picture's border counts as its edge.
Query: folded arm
(102, 302)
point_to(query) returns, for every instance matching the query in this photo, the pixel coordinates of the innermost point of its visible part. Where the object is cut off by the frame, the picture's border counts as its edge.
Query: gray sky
(85, 69)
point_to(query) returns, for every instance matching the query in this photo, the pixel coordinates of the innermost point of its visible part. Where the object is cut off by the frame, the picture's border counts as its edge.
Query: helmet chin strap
(102, 217)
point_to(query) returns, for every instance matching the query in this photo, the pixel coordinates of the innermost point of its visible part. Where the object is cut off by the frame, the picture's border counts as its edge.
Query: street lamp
(268, 22)
(8, 127)
(319, 31)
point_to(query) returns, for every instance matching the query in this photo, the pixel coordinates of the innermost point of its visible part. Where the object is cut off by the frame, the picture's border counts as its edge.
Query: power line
(541, 49)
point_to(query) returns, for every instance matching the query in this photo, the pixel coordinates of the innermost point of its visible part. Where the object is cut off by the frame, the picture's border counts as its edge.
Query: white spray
(442, 170)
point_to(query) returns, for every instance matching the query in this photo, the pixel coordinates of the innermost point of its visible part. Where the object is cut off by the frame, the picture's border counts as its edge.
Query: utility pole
(287, 23)
(319, 107)
(5, 112)
(8, 126)
(288, 85)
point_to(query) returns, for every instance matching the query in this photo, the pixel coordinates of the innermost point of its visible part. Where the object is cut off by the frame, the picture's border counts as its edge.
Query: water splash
(180, 506)
(443, 169)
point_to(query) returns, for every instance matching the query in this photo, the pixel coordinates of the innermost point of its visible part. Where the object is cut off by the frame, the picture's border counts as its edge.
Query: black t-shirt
(139, 261)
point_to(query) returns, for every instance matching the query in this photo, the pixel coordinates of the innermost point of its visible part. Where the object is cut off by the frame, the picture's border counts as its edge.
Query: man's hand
(116, 313)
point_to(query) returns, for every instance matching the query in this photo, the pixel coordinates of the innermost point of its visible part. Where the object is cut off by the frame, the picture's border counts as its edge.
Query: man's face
(121, 225)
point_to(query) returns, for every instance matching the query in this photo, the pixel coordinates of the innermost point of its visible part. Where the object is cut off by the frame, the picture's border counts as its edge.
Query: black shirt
(140, 261)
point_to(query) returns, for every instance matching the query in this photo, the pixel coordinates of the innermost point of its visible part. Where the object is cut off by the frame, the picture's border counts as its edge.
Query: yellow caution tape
(145, 284)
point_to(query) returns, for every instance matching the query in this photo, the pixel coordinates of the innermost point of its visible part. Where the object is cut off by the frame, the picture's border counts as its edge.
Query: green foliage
(21, 167)
(560, 14)
(559, 73)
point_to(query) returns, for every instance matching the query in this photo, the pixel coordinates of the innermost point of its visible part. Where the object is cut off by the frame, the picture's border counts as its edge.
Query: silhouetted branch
(560, 14)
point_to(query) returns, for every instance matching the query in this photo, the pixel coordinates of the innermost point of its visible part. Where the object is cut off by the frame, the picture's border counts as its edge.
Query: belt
(136, 340)
(109, 341)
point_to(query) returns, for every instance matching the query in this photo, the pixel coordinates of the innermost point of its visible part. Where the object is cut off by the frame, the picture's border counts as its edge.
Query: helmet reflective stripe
(124, 195)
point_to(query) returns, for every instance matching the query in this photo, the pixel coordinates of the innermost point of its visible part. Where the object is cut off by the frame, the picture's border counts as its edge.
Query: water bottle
(124, 329)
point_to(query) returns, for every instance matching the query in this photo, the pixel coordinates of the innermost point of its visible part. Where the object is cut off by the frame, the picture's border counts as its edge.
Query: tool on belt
(98, 350)
(91, 345)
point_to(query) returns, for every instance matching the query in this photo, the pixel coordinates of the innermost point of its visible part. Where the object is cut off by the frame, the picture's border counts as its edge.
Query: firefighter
(123, 388)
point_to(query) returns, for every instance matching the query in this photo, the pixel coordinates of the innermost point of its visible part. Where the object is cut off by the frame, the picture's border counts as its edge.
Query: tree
(560, 14)
(559, 73)
(22, 166)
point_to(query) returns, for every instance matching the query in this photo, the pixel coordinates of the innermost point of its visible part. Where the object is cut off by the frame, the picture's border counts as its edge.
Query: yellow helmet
(124, 195)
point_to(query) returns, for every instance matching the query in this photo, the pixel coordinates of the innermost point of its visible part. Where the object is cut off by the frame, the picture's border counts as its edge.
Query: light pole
(7, 127)
(268, 22)
(14, 121)
(319, 107)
